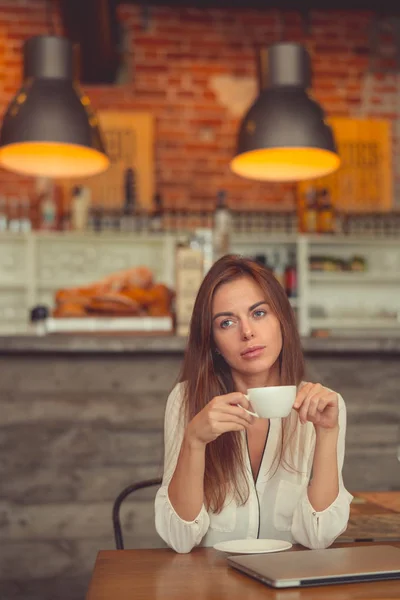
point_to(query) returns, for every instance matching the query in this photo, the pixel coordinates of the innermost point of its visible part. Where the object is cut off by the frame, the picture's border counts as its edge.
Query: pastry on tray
(113, 303)
(127, 293)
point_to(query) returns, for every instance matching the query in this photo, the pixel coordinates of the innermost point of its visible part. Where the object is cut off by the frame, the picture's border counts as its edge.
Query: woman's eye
(259, 313)
(225, 324)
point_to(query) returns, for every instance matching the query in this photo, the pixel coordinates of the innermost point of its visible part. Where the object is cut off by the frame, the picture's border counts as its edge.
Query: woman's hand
(317, 404)
(219, 416)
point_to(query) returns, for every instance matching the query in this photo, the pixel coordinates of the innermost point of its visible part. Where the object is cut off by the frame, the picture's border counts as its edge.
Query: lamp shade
(49, 128)
(284, 135)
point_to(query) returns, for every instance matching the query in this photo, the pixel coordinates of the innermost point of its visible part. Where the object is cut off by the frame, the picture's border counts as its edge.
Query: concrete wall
(76, 429)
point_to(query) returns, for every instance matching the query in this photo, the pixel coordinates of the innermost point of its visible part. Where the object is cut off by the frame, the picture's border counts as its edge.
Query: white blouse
(278, 506)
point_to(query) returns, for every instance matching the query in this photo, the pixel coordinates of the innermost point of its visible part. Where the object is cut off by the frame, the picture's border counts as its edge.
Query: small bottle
(25, 221)
(156, 223)
(325, 218)
(261, 259)
(3, 214)
(128, 218)
(222, 226)
(13, 216)
(204, 237)
(279, 271)
(38, 316)
(311, 208)
(48, 208)
(291, 276)
(80, 208)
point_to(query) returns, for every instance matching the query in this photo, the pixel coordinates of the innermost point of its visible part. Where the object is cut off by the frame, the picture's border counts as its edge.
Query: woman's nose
(247, 332)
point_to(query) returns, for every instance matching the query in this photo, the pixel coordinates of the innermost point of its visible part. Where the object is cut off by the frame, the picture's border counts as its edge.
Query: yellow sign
(129, 141)
(363, 183)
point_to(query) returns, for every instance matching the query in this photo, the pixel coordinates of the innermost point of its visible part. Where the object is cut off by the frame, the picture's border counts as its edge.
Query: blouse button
(196, 521)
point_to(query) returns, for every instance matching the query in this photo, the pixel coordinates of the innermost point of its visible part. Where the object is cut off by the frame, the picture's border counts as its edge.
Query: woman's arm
(320, 517)
(320, 406)
(186, 489)
(178, 533)
(181, 517)
(220, 415)
(324, 484)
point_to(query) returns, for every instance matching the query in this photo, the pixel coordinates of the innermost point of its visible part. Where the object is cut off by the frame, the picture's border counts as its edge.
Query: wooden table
(374, 516)
(204, 574)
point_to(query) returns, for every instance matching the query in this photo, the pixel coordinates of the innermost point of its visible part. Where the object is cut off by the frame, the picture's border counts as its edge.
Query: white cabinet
(339, 302)
(34, 265)
(276, 249)
(350, 302)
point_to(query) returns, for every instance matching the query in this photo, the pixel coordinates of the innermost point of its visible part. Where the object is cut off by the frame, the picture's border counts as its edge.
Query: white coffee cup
(271, 402)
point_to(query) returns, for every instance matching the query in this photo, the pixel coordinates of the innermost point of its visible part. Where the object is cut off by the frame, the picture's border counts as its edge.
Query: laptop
(321, 567)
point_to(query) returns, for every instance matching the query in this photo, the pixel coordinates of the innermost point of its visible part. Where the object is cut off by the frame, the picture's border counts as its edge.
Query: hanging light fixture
(284, 135)
(49, 128)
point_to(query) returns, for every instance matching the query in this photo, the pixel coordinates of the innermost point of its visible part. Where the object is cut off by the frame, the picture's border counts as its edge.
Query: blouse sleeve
(177, 533)
(315, 529)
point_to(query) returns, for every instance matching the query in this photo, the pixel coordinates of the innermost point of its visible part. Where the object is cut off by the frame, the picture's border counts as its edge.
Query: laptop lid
(321, 567)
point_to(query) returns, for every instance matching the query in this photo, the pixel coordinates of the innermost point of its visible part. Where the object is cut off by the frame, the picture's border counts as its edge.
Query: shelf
(104, 237)
(350, 240)
(47, 261)
(353, 323)
(109, 324)
(353, 277)
(263, 238)
(13, 285)
(52, 286)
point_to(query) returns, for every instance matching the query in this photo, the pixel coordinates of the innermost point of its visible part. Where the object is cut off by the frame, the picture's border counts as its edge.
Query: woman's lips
(252, 352)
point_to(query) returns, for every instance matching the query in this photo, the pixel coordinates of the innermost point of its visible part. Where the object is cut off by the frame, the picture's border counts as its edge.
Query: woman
(228, 475)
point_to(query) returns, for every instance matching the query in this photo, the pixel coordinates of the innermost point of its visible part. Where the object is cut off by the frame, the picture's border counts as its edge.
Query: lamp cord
(50, 17)
(280, 24)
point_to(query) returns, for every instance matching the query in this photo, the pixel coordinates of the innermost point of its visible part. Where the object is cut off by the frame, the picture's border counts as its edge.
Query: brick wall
(175, 61)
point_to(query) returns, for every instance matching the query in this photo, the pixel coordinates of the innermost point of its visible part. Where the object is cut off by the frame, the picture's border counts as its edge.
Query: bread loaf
(127, 293)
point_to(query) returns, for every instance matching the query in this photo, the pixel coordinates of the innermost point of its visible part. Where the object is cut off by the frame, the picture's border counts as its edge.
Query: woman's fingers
(306, 400)
(234, 398)
(227, 418)
(313, 401)
(228, 409)
(220, 427)
(302, 394)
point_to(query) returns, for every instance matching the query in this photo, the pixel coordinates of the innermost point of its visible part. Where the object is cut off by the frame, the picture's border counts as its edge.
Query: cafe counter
(171, 344)
(82, 416)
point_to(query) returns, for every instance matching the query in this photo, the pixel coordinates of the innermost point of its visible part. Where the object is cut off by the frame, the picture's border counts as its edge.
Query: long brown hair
(206, 374)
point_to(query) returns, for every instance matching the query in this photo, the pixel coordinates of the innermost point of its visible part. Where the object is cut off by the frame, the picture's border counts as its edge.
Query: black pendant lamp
(49, 128)
(284, 135)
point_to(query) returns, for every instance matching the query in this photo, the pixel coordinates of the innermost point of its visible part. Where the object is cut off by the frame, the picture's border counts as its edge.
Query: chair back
(116, 518)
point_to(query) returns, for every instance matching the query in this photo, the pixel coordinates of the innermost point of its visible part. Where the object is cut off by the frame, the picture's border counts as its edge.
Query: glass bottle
(222, 226)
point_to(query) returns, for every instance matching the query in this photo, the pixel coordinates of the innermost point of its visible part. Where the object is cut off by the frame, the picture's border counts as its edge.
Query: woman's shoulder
(176, 396)
(178, 390)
